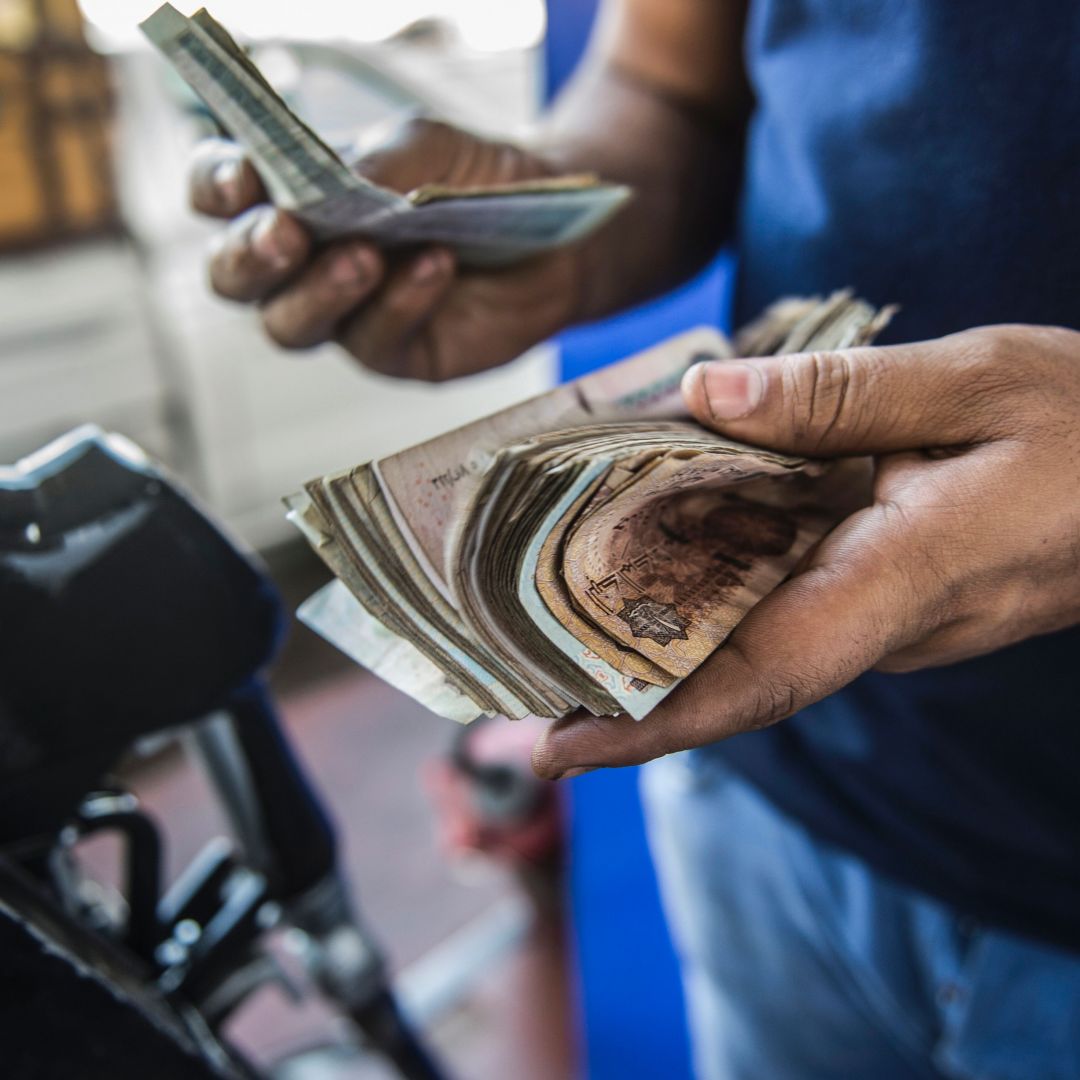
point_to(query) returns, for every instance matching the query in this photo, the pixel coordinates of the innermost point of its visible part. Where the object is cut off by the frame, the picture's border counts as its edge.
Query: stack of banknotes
(587, 548)
(485, 226)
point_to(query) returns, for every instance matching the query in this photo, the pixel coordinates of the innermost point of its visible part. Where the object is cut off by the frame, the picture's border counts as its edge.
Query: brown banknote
(671, 566)
(588, 548)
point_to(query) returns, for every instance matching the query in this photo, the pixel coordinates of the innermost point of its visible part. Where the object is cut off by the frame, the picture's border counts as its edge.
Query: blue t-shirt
(927, 152)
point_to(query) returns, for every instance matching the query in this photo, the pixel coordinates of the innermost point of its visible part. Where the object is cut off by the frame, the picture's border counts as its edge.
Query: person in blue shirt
(870, 852)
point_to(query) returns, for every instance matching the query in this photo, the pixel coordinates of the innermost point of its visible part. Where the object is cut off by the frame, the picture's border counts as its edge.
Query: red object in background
(490, 801)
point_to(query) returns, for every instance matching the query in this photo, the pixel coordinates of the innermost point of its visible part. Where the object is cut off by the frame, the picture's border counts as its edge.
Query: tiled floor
(365, 746)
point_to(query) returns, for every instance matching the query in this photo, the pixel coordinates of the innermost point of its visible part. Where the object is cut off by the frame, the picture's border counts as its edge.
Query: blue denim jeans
(801, 963)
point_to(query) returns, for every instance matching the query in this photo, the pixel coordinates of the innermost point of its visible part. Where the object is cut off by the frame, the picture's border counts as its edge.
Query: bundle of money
(486, 226)
(588, 548)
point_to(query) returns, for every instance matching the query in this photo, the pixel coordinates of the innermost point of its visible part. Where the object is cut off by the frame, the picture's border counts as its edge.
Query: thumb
(851, 401)
(404, 153)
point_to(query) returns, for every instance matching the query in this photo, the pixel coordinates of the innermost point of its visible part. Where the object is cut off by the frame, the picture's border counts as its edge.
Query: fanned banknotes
(486, 226)
(590, 547)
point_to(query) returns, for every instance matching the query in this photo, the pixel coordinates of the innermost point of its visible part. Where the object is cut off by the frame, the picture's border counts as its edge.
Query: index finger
(805, 640)
(222, 182)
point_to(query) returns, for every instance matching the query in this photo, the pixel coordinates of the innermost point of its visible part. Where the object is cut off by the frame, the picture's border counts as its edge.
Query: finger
(308, 310)
(258, 252)
(382, 334)
(222, 182)
(776, 662)
(404, 154)
(866, 400)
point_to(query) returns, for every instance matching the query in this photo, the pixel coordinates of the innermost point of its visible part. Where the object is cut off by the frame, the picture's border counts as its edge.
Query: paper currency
(486, 226)
(589, 548)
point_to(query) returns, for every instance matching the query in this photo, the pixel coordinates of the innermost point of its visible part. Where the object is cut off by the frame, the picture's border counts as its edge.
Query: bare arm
(661, 103)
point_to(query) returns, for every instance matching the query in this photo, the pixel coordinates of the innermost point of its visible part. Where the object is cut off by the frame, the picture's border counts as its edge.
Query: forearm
(675, 139)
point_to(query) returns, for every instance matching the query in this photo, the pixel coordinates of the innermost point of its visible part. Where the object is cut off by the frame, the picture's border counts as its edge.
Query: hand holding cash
(418, 315)
(424, 310)
(968, 546)
(588, 548)
(436, 254)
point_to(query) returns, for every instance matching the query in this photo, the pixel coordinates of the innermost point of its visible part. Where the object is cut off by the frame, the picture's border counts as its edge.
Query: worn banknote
(486, 226)
(588, 548)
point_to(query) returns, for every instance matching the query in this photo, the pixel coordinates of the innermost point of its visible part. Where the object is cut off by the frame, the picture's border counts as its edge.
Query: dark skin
(652, 107)
(972, 542)
(973, 539)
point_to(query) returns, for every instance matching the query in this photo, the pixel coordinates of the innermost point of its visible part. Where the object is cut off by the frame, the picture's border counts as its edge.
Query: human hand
(972, 542)
(417, 317)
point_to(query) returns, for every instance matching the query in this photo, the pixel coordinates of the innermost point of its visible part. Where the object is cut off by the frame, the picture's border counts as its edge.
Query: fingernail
(227, 182)
(428, 267)
(578, 770)
(354, 266)
(266, 242)
(731, 390)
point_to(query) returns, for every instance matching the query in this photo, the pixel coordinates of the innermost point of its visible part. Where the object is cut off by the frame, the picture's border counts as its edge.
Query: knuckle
(917, 578)
(768, 698)
(774, 700)
(999, 344)
(818, 387)
(1001, 375)
(992, 352)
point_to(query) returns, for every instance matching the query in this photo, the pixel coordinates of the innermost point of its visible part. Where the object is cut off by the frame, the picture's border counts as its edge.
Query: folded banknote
(590, 547)
(486, 226)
